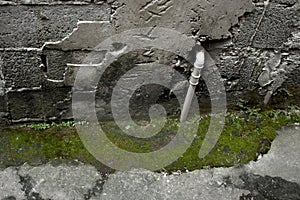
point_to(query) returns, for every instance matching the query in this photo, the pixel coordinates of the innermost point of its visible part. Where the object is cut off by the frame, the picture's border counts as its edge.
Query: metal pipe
(194, 80)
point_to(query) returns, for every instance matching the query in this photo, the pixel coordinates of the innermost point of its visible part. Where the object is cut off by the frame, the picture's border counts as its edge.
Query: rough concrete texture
(29, 101)
(283, 2)
(273, 176)
(209, 18)
(32, 26)
(21, 69)
(61, 182)
(47, 2)
(40, 105)
(2, 81)
(266, 187)
(50, 182)
(255, 45)
(261, 73)
(10, 185)
(283, 160)
(141, 184)
(275, 27)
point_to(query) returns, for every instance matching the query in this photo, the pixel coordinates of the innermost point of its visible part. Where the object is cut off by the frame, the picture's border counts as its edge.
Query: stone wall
(255, 45)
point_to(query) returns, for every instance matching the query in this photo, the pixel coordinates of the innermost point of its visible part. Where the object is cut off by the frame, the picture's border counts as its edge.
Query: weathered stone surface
(3, 106)
(21, 69)
(294, 41)
(45, 2)
(26, 105)
(84, 182)
(61, 182)
(9, 185)
(259, 73)
(4, 119)
(279, 69)
(57, 103)
(293, 69)
(2, 80)
(63, 65)
(201, 18)
(142, 184)
(284, 2)
(85, 37)
(287, 2)
(3, 100)
(52, 24)
(32, 26)
(57, 63)
(270, 188)
(274, 30)
(4, 115)
(40, 105)
(193, 18)
(283, 159)
(240, 74)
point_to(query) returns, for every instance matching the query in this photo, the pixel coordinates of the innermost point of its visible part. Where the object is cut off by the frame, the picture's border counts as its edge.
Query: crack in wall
(266, 5)
(2, 80)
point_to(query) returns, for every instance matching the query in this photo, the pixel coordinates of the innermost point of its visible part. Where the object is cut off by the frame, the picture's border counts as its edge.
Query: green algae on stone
(246, 135)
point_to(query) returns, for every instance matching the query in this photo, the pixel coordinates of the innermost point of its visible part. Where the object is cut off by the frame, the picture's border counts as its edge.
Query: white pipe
(194, 80)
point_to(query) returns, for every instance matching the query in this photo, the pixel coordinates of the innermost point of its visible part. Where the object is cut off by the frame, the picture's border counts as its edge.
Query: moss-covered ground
(247, 134)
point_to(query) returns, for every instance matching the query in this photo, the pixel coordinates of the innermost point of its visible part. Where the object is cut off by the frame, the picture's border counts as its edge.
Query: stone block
(86, 80)
(26, 105)
(3, 104)
(86, 36)
(21, 69)
(83, 104)
(57, 103)
(4, 119)
(56, 63)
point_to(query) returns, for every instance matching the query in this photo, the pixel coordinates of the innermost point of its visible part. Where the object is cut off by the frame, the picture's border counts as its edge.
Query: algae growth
(246, 135)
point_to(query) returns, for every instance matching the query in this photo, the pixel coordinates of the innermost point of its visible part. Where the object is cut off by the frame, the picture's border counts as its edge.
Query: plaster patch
(210, 18)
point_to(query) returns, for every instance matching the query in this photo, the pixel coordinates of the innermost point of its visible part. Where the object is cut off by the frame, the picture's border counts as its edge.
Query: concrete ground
(275, 175)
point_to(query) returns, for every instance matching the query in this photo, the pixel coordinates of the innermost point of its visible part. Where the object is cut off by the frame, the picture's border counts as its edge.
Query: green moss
(246, 134)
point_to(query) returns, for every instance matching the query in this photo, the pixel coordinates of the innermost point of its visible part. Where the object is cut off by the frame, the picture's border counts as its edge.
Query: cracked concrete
(141, 184)
(9, 184)
(283, 159)
(57, 182)
(50, 182)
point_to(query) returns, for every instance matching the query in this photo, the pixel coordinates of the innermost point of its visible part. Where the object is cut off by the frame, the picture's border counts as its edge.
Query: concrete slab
(9, 184)
(283, 159)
